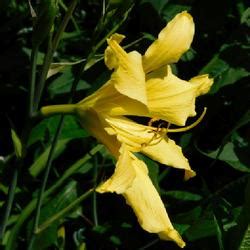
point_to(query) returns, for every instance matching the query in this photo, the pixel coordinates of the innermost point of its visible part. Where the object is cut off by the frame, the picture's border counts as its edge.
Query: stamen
(152, 120)
(160, 132)
(177, 130)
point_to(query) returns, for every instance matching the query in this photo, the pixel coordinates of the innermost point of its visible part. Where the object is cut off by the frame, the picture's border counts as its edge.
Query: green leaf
(230, 76)
(245, 243)
(230, 155)
(49, 236)
(60, 67)
(189, 55)
(153, 169)
(202, 227)
(63, 83)
(40, 55)
(47, 128)
(239, 236)
(219, 233)
(17, 143)
(171, 9)
(189, 217)
(114, 239)
(182, 195)
(158, 5)
(245, 18)
(222, 72)
(40, 162)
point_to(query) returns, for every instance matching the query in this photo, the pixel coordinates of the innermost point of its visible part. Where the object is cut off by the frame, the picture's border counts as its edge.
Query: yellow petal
(132, 181)
(170, 154)
(140, 138)
(95, 124)
(203, 84)
(148, 206)
(158, 73)
(123, 176)
(107, 100)
(128, 78)
(110, 58)
(171, 98)
(134, 135)
(172, 42)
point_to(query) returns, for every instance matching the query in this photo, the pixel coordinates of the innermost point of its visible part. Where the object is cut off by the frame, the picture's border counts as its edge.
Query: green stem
(34, 54)
(46, 65)
(64, 211)
(26, 212)
(12, 188)
(49, 55)
(58, 109)
(45, 179)
(90, 62)
(72, 18)
(95, 216)
(11, 195)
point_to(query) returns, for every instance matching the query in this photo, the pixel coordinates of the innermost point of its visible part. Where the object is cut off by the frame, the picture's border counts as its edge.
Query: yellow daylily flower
(143, 85)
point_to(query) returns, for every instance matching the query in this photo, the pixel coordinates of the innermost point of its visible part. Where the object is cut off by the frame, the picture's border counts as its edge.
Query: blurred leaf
(63, 83)
(230, 76)
(224, 74)
(157, 4)
(189, 55)
(41, 161)
(40, 55)
(47, 127)
(239, 236)
(229, 155)
(17, 143)
(60, 67)
(215, 66)
(185, 140)
(172, 9)
(245, 243)
(202, 227)
(189, 217)
(183, 195)
(101, 229)
(114, 239)
(149, 36)
(245, 18)
(181, 228)
(48, 236)
(219, 233)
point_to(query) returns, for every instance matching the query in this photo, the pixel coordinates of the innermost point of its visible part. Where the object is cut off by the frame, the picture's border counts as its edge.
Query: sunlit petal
(172, 42)
(129, 132)
(170, 154)
(129, 77)
(132, 181)
(171, 98)
(123, 176)
(203, 84)
(95, 124)
(110, 58)
(109, 101)
(140, 138)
